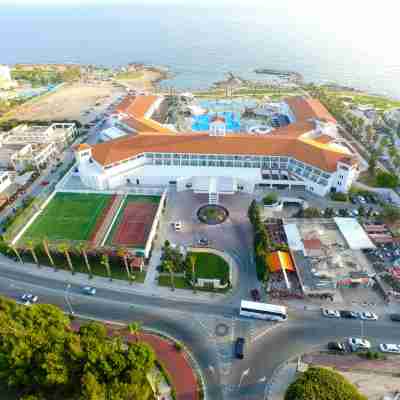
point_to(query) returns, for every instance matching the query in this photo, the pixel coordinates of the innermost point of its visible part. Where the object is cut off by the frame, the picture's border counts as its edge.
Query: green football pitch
(68, 216)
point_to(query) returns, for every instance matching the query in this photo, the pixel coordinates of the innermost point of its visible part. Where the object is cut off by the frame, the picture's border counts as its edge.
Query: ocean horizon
(201, 43)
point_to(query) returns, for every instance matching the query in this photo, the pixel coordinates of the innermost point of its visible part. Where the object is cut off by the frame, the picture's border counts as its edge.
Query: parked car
(368, 316)
(29, 298)
(336, 346)
(389, 348)
(90, 290)
(349, 314)
(44, 183)
(239, 347)
(255, 294)
(358, 344)
(395, 317)
(178, 226)
(330, 313)
(203, 241)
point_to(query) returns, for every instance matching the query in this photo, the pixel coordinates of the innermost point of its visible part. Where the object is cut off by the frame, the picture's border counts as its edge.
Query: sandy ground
(69, 102)
(146, 82)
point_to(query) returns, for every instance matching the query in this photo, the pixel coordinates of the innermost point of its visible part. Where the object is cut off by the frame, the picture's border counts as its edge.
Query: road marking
(204, 327)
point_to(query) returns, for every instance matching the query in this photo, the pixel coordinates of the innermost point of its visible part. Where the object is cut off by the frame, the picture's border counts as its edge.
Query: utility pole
(67, 299)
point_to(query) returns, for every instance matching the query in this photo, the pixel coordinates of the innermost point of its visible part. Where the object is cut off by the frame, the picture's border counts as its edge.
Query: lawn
(181, 283)
(211, 266)
(116, 265)
(68, 216)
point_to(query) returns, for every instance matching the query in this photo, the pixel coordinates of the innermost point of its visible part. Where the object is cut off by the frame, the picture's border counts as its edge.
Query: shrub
(387, 180)
(338, 196)
(269, 199)
(322, 384)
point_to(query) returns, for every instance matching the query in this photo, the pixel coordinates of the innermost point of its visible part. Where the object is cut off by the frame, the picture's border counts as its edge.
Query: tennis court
(133, 224)
(68, 216)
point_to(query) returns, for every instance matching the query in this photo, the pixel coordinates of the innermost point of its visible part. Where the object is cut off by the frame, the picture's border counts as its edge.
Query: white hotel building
(302, 155)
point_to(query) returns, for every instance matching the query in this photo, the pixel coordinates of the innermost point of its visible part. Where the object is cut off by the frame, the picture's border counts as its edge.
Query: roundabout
(212, 214)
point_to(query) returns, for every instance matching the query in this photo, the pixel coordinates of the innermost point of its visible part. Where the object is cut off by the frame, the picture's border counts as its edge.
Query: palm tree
(123, 253)
(192, 261)
(105, 260)
(30, 244)
(170, 268)
(82, 248)
(64, 248)
(134, 328)
(16, 252)
(47, 251)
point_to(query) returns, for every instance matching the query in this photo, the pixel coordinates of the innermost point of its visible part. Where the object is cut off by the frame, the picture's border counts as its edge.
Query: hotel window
(185, 162)
(203, 163)
(211, 163)
(229, 157)
(229, 163)
(284, 160)
(193, 163)
(317, 172)
(203, 157)
(239, 158)
(158, 155)
(257, 164)
(138, 156)
(323, 182)
(176, 161)
(167, 162)
(266, 159)
(220, 163)
(149, 155)
(326, 176)
(167, 155)
(238, 164)
(177, 155)
(306, 173)
(247, 164)
(158, 162)
(193, 156)
(185, 156)
(211, 157)
(275, 165)
(220, 158)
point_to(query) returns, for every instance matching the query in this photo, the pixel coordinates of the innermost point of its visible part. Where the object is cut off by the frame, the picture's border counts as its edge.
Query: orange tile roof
(202, 143)
(324, 139)
(278, 260)
(81, 147)
(306, 109)
(136, 106)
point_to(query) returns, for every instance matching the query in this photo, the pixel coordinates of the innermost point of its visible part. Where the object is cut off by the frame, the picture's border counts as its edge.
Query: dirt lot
(145, 82)
(69, 102)
(374, 378)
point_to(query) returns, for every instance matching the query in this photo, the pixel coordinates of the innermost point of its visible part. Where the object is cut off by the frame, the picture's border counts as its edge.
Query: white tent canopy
(355, 236)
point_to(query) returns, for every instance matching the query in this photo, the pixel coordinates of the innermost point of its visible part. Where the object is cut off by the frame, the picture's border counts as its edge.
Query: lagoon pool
(202, 122)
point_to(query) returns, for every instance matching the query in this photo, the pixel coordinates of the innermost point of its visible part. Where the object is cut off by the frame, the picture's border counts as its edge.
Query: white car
(330, 313)
(359, 344)
(368, 316)
(178, 226)
(389, 348)
(29, 298)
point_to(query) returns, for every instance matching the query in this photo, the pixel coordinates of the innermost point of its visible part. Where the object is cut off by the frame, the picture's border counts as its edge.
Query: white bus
(263, 311)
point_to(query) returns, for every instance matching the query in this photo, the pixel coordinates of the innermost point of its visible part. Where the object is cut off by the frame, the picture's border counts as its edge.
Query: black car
(239, 348)
(348, 314)
(336, 346)
(395, 317)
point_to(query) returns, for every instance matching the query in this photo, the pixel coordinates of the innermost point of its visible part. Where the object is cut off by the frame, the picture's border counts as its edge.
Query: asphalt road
(304, 330)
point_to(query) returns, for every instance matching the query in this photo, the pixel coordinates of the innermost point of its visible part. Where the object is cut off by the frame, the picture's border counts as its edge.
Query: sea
(351, 43)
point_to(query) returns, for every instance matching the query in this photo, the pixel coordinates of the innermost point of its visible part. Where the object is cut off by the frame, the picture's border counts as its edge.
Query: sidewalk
(81, 279)
(281, 379)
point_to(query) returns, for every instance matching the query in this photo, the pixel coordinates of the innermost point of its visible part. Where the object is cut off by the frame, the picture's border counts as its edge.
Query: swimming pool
(202, 122)
(233, 105)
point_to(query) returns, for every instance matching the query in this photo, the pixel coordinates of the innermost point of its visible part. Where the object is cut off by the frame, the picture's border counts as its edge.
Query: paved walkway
(280, 381)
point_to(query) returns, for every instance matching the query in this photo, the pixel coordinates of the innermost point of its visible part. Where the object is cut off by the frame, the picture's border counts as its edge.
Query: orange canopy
(278, 260)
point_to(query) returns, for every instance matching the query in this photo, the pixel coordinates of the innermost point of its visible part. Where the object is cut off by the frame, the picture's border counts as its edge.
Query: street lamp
(67, 299)
(244, 373)
(362, 328)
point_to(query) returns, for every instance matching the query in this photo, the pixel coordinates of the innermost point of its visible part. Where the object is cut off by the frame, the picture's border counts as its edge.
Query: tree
(387, 180)
(372, 163)
(14, 249)
(31, 245)
(82, 248)
(370, 134)
(123, 253)
(91, 388)
(47, 251)
(322, 384)
(64, 248)
(390, 214)
(134, 329)
(170, 268)
(192, 262)
(105, 261)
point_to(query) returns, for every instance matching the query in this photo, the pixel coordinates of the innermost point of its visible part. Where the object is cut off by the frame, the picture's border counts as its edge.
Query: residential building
(303, 155)
(59, 134)
(5, 180)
